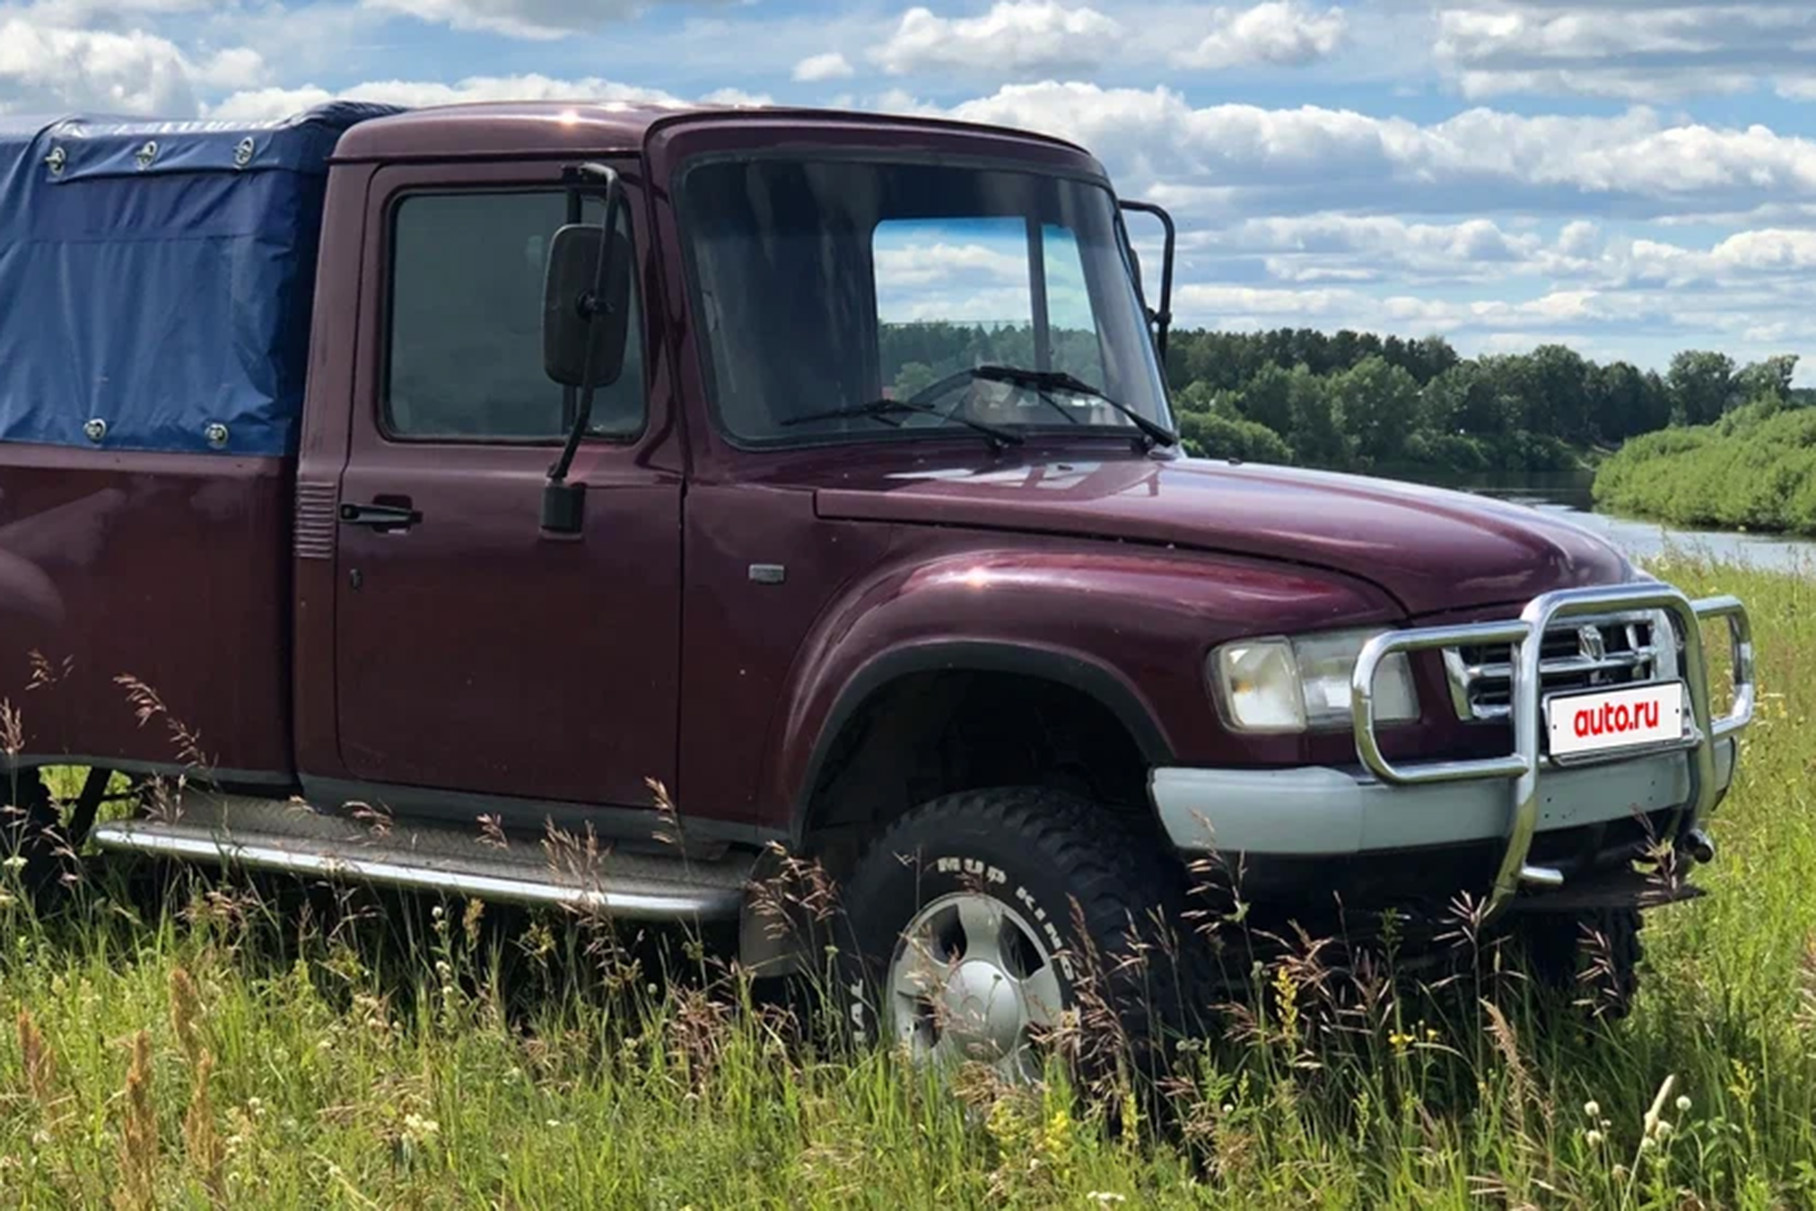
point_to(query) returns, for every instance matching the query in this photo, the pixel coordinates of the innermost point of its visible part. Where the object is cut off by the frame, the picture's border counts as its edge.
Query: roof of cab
(498, 128)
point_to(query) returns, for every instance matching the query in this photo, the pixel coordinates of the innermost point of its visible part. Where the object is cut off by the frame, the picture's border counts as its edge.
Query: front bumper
(1318, 811)
(1381, 807)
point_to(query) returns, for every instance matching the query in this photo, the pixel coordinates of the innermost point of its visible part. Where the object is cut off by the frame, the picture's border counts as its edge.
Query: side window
(465, 358)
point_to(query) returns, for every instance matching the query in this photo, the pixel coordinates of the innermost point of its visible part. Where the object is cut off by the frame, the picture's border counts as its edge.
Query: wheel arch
(1086, 679)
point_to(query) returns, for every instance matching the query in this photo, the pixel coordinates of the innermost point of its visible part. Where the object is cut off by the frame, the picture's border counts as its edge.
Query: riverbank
(1754, 470)
(237, 1051)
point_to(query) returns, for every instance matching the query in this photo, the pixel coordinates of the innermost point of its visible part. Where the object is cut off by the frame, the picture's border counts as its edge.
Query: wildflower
(15, 862)
(1592, 1109)
(1593, 1138)
(1106, 1197)
(1683, 1103)
(1648, 1144)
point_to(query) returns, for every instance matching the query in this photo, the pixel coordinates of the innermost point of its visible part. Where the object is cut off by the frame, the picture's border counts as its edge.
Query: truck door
(473, 652)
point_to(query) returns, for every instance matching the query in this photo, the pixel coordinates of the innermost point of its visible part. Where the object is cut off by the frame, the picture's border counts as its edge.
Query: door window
(465, 351)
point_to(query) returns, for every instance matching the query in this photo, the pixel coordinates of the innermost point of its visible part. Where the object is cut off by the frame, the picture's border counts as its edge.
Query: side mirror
(586, 305)
(1161, 317)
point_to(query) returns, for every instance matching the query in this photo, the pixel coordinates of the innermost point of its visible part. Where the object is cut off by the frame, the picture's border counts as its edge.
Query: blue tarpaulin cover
(157, 276)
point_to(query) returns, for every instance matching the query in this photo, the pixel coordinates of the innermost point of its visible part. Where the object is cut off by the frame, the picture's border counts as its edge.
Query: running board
(290, 836)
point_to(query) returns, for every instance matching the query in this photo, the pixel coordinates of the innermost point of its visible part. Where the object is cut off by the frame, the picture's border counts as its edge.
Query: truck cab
(670, 490)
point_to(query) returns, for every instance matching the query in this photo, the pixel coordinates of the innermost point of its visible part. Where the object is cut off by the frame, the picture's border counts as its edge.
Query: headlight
(1290, 685)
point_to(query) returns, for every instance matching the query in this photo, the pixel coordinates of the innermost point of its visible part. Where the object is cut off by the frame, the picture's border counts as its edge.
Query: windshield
(827, 287)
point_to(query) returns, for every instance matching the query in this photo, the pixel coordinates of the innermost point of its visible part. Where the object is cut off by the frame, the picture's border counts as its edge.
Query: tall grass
(220, 1044)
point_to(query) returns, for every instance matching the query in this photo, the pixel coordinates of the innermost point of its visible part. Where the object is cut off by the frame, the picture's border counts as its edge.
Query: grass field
(282, 1049)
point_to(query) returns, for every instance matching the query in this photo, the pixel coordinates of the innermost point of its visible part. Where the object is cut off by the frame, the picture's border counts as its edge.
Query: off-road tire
(1586, 960)
(1061, 863)
(30, 844)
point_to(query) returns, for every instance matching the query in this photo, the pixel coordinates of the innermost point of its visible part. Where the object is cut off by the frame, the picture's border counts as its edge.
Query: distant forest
(1358, 401)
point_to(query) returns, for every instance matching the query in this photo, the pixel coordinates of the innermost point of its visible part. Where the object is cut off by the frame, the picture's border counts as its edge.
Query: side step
(291, 836)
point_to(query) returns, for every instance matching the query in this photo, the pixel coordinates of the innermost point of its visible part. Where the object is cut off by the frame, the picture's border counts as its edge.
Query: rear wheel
(991, 926)
(31, 847)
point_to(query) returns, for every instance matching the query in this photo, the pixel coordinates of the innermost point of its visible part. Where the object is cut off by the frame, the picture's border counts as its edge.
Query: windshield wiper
(882, 409)
(1059, 380)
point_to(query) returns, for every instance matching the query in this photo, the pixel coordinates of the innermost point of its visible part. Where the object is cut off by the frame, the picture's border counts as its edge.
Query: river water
(1566, 494)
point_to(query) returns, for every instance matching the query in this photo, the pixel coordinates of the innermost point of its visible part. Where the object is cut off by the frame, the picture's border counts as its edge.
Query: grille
(315, 520)
(1580, 654)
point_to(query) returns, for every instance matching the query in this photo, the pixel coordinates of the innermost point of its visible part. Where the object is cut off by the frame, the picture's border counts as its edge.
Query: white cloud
(1743, 256)
(1015, 39)
(926, 263)
(1608, 48)
(736, 96)
(259, 104)
(279, 102)
(1356, 248)
(830, 66)
(1335, 247)
(237, 67)
(56, 67)
(1236, 159)
(1281, 32)
(536, 19)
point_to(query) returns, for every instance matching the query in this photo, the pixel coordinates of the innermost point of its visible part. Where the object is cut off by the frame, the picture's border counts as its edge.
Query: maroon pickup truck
(486, 466)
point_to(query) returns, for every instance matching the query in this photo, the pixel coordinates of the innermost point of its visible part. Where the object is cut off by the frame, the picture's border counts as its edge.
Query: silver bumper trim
(1320, 811)
(1524, 765)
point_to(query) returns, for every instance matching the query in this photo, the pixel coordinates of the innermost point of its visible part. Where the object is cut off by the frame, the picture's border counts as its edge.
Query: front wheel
(1589, 960)
(992, 926)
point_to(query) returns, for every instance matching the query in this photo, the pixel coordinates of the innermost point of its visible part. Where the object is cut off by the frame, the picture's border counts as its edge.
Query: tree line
(1361, 401)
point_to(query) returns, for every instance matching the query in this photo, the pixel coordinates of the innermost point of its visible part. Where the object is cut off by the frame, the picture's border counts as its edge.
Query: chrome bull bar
(1525, 764)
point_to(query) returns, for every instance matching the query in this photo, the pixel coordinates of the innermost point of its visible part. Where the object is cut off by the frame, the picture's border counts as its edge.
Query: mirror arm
(563, 502)
(1162, 317)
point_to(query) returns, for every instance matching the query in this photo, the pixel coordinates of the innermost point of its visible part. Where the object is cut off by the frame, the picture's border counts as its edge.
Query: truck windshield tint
(827, 286)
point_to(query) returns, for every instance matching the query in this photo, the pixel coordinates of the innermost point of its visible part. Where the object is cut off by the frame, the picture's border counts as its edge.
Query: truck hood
(1431, 549)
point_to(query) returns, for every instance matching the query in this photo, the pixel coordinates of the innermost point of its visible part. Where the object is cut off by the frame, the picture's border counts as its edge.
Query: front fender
(1130, 627)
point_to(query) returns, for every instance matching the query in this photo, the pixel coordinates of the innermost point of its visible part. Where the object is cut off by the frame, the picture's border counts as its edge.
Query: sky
(1627, 177)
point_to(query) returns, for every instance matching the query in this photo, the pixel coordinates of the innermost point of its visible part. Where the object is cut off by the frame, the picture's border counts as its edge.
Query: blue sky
(1627, 177)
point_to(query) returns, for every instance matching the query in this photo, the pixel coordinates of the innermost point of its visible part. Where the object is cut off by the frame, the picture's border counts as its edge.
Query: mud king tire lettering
(963, 918)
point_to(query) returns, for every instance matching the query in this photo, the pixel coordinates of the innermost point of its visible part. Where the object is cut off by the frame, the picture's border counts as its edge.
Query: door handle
(380, 516)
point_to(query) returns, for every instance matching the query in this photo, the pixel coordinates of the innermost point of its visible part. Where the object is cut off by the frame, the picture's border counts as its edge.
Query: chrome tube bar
(639, 900)
(1525, 764)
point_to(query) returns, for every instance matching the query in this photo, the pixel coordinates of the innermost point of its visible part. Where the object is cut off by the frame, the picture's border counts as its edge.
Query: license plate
(1592, 723)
